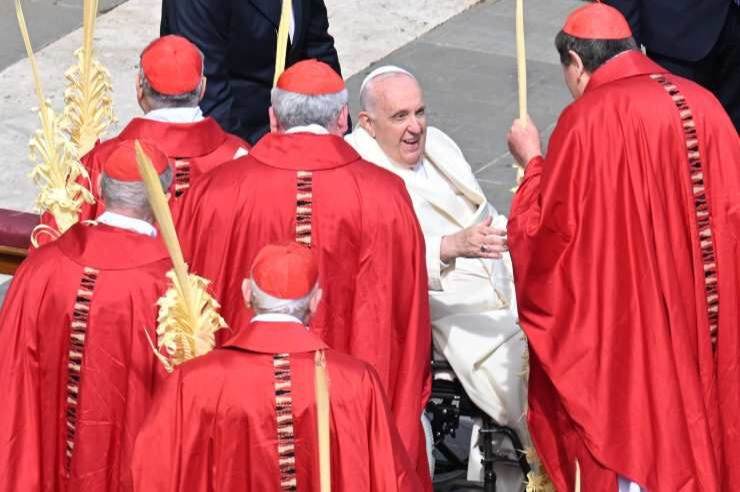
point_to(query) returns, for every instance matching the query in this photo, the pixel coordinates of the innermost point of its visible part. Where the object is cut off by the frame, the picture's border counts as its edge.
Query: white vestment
(472, 301)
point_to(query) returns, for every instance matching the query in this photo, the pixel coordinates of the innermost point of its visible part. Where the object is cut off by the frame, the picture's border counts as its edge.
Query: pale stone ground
(365, 31)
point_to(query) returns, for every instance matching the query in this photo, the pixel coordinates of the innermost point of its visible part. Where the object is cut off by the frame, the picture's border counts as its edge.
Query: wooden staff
(521, 65)
(158, 202)
(323, 416)
(578, 477)
(521, 60)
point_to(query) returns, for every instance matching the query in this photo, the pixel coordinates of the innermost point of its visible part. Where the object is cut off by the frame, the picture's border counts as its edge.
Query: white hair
(263, 302)
(293, 109)
(131, 195)
(367, 98)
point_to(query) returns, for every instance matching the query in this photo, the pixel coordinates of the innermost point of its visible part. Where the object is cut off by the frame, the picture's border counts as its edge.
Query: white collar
(276, 318)
(128, 223)
(175, 115)
(312, 128)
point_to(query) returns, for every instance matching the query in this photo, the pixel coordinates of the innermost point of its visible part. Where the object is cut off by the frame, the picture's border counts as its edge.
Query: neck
(131, 213)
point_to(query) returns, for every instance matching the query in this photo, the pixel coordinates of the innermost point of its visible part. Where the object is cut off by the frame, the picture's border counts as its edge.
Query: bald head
(369, 90)
(394, 114)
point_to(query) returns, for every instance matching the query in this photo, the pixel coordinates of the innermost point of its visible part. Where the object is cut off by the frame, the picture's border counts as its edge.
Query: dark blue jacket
(682, 29)
(239, 39)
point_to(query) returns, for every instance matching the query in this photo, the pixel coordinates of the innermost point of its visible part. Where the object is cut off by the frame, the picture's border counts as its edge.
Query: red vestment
(216, 424)
(193, 149)
(625, 248)
(317, 189)
(76, 368)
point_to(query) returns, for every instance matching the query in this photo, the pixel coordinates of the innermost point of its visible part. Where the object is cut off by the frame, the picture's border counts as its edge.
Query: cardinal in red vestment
(244, 417)
(169, 85)
(76, 368)
(303, 182)
(624, 239)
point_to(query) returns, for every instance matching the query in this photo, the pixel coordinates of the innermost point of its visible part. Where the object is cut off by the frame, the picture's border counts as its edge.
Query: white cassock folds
(472, 301)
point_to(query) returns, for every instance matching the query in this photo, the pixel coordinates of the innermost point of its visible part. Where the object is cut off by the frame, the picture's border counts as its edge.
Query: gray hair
(293, 109)
(367, 95)
(265, 303)
(131, 195)
(157, 100)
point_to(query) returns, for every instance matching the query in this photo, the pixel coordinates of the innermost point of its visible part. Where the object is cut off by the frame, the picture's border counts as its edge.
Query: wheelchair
(447, 404)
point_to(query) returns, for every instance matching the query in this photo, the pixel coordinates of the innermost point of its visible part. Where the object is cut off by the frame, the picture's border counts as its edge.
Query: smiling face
(395, 116)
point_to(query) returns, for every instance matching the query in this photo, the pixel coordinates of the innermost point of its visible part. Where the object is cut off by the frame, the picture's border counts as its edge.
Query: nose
(414, 125)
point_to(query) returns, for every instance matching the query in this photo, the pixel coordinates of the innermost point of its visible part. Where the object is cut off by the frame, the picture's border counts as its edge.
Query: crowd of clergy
(600, 321)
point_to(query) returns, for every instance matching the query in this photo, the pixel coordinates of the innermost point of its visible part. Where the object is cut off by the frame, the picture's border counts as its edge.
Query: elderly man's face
(397, 119)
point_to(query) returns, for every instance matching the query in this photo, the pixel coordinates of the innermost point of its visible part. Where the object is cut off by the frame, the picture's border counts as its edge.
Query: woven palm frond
(56, 167)
(537, 479)
(88, 101)
(182, 332)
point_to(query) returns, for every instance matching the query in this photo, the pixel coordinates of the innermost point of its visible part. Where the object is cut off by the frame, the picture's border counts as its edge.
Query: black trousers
(719, 71)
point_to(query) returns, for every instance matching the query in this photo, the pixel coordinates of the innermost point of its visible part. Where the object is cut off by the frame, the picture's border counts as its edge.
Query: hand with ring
(478, 241)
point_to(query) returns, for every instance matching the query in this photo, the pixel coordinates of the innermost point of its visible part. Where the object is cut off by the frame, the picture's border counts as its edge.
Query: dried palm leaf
(88, 101)
(182, 335)
(188, 315)
(537, 479)
(57, 168)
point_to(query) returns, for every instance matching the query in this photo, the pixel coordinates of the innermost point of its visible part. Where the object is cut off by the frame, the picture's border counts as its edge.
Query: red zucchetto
(311, 78)
(172, 65)
(121, 164)
(597, 21)
(286, 271)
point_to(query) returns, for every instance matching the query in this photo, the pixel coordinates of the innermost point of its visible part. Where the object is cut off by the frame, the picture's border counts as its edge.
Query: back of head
(596, 33)
(171, 73)
(122, 188)
(309, 93)
(283, 280)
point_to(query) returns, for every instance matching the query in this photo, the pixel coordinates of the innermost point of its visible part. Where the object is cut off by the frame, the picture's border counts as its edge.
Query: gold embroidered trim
(78, 331)
(304, 207)
(284, 413)
(698, 190)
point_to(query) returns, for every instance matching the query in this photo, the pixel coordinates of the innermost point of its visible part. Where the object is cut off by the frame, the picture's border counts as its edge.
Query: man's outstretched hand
(478, 241)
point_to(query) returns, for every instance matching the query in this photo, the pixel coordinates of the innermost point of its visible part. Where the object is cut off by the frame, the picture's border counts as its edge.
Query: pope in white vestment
(472, 299)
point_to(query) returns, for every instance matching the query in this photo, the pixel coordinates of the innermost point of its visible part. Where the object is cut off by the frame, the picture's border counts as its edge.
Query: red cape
(620, 250)
(91, 292)
(225, 402)
(193, 149)
(370, 247)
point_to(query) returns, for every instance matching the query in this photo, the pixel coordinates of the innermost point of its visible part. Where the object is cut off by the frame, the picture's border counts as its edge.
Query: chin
(412, 159)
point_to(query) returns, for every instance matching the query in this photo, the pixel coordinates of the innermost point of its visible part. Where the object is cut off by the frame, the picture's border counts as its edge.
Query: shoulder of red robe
(311, 78)
(597, 21)
(121, 163)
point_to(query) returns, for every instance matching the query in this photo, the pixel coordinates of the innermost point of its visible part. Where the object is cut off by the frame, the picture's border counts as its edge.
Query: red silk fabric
(118, 373)
(610, 280)
(369, 245)
(199, 146)
(214, 425)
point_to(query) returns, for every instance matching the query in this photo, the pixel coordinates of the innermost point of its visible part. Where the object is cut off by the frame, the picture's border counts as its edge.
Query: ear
(140, 93)
(274, 124)
(342, 124)
(247, 292)
(366, 122)
(576, 61)
(203, 83)
(313, 303)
